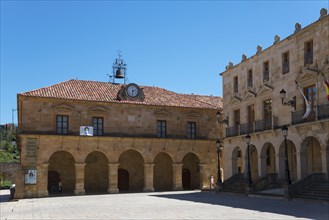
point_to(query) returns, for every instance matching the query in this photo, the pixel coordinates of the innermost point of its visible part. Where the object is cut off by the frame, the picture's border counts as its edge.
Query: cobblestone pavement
(163, 205)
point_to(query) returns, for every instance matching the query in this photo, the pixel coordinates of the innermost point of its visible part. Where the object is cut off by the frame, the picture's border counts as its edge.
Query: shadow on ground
(299, 209)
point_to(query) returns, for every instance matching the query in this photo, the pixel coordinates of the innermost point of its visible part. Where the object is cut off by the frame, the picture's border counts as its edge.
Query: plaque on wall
(86, 130)
(30, 176)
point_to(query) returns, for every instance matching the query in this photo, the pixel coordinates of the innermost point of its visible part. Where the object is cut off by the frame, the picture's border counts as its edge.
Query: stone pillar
(177, 176)
(324, 157)
(203, 177)
(262, 166)
(79, 178)
(298, 166)
(148, 177)
(113, 178)
(42, 180)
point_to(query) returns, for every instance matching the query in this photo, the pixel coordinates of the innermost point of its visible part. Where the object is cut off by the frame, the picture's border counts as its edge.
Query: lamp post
(287, 172)
(219, 149)
(248, 152)
(291, 102)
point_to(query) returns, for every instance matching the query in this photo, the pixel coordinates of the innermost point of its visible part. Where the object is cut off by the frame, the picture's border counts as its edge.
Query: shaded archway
(292, 161)
(163, 173)
(123, 180)
(132, 161)
(268, 159)
(237, 164)
(191, 165)
(96, 173)
(253, 162)
(61, 166)
(310, 157)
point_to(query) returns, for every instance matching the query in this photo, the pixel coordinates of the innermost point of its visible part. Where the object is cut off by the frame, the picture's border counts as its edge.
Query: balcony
(319, 112)
(249, 128)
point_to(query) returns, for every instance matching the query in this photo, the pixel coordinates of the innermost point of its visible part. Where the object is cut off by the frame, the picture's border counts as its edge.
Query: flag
(307, 103)
(326, 85)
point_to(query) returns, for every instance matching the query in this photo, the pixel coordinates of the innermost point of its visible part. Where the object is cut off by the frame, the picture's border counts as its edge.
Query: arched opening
(133, 163)
(292, 161)
(96, 173)
(123, 180)
(61, 166)
(186, 179)
(237, 165)
(191, 165)
(163, 172)
(268, 159)
(310, 157)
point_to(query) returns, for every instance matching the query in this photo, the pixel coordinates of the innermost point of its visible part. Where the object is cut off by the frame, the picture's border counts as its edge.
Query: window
(249, 78)
(62, 124)
(266, 71)
(308, 53)
(235, 85)
(285, 63)
(191, 130)
(267, 114)
(161, 129)
(310, 94)
(98, 126)
(251, 117)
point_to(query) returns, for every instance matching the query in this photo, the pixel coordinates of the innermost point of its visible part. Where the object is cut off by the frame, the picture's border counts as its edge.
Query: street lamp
(291, 102)
(225, 121)
(287, 172)
(248, 152)
(219, 145)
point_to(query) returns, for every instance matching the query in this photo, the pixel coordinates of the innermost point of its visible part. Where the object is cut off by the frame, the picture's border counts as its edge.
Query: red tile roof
(107, 92)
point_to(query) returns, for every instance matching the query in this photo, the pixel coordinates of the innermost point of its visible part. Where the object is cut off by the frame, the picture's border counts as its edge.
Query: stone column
(148, 177)
(325, 163)
(79, 178)
(298, 166)
(42, 180)
(262, 166)
(177, 176)
(203, 177)
(113, 178)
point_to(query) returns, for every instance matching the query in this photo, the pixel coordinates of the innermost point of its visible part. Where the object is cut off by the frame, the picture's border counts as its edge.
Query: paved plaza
(163, 205)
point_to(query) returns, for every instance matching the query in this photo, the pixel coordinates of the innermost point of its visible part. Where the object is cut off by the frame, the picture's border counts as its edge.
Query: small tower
(119, 69)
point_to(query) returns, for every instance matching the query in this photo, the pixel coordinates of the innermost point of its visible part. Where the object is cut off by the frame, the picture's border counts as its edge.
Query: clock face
(132, 90)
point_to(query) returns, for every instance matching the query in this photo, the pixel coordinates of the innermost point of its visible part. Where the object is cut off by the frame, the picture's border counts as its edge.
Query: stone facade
(128, 155)
(251, 97)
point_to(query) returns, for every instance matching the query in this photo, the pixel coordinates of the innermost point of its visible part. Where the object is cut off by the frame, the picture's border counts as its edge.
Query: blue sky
(181, 46)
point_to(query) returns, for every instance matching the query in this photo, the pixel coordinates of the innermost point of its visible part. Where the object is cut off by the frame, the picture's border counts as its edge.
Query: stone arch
(96, 173)
(163, 172)
(61, 167)
(132, 161)
(310, 156)
(191, 171)
(253, 162)
(268, 159)
(292, 161)
(237, 164)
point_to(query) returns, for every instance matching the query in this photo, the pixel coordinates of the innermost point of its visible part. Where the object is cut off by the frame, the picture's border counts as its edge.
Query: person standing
(60, 188)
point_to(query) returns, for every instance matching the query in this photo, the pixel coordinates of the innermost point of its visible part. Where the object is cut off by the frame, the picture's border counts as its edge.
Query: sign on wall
(30, 176)
(86, 130)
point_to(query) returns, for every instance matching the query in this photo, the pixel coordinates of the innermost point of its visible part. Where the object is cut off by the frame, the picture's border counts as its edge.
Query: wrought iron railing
(319, 112)
(248, 128)
(263, 125)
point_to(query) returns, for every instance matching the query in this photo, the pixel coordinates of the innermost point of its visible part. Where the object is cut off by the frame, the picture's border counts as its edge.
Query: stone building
(298, 64)
(98, 137)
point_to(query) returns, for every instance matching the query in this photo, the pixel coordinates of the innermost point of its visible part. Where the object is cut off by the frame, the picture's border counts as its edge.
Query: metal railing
(319, 112)
(256, 126)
